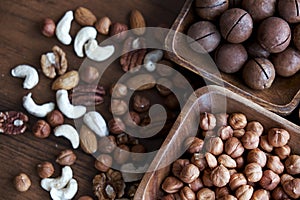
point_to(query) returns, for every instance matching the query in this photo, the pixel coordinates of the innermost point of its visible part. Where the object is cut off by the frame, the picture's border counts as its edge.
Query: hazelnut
(131, 119)
(237, 120)
(171, 185)
(193, 144)
(278, 193)
(225, 132)
(257, 156)
(253, 172)
(211, 160)
(285, 177)
(207, 121)
(107, 144)
(214, 145)
(89, 74)
(278, 137)
(118, 90)
(121, 154)
(240, 161)
(269, 180)
(118, 31)
(196, 185)
(220, 176)
(264, 143)
(189, 173)
(233, 147)
(137, 154)
(261, 194)
(55, 118)
(48, 28)
(118, 107)
(244, 192)
(187, 193)
(45, 169)
(292, 164)
(250, 140)
(85, 198)
(178, 165)
(41, 129)
(22, 182)
(282, 152)
(292, 188)
(103, 162)
(238, 133)
(256, 127)
(172, 102)
(141, 103)
(206, 194)
(221, 119)
(232, 171)
(237, 180)
(206, 179)
(102, 25)
(275, 164)
(228, 197)
(221, 192)
(226, 161)
(116, 126)
(199, 160)
(66, 157)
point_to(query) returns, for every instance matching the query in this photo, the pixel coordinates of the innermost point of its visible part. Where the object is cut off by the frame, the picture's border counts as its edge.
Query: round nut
(207, 121)
(240, 162)
(205, 194)
(118, 90)
(237, 180)
(225, 132)
(233, 147)
(257, 156)
(283, 152)
(103, 162)
(211, 160)
(206, 179)
(275, 164)
(187, 193)
(121, 154)
(48, 28)
(264, 143)
(178, 165)
(278, 137)
(260, 194)
(45, 169)
(22, 182)
(141, 103)
(269, 180)
(226, 161)
(237, 120)
(292, 188)
(137, 154)
(244, 192)
(220, 176)
(193, 144)
(292, 164)
(199, 160)
(66, 157)
(189, 173)
(89, 74)
(103, 25)
(118, 31)
(55, 118)
(256, 127)
(41, 129)
(214, 145)
(221, 119)
(253, 172)
(107, 144)
(131, 119)
(171, 185)
(278, 193)
(250, 140)
(118, 107)
(239, 133)
(221, 192)
(196, 185)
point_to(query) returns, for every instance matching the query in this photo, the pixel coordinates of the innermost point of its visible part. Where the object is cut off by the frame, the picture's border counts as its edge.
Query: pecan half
(13, 122)
(87, 95)
(133, 54)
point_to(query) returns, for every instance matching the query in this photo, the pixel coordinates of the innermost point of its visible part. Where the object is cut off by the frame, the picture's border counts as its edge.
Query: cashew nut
(83, 35)
(59, 182)
(98, 53)
(64, 105)
(66, 193)
(152, 58)
(63, 28)
(37, 110)
(68, 132)
(29, 73)
(96, 123)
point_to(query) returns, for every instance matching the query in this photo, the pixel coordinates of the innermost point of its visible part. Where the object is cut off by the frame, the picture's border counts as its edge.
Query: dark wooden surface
(22, 43)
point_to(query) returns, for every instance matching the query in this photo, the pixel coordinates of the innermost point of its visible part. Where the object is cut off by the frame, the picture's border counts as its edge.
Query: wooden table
(22, 43)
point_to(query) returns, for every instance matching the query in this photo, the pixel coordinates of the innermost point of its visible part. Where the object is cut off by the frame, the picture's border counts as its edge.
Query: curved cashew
(66, 193)
(37, 110)
(68, 132)
(63, 28)
(64, 105)
(96, 123)
(152, 58)
(59, 182)
(29, 73)
(83, 35)
(98, 53)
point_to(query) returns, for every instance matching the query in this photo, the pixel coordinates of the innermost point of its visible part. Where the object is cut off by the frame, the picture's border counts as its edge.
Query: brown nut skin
(226, 161)
(292, 188)
(296, 36)
(66, 157)
(171, 185)
(214, 145)
(225, 132)
(220, 176)
(189, 173)
(264, 143)
(255, 50)
(116, 125)
(278, 137)
(261, 194)
(141, 103)
(259, 9)
(178, 165)
(131, 119)
(48, 27)
(210, 10)
(278, 193)
(107, 144)
(221, 192)
(196, 185)
(233, 147)
(237, 120)
(207, 121)
(292, 164)
(187, 193)
(193, 144)
(102, 25)
(240, 162)
(199, 160)
(206, 179)
(255, 126)
(269, 180)
(283, 152)
(45, 169)
(211, 160)
(221, 119)
(121, 154)
(257, 156)
(55, 118)
(22, 182)
(237, 180)
(89, 74)
(275, 164)
(84, 17)
(253, 172)
(137, 22)
(103, 162)
(250, 140)
(137, 153)
(239, 133)
(206, 194)
(118, 31)
(244, 192)
(289, 10)
(41, 129)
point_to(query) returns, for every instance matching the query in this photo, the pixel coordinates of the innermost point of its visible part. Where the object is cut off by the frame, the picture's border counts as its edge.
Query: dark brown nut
(172, 102)
(45, 169)
(137, 153)
(292, 164)
(292, 188)
(220, 192)
(207, 121)
(41, 129)
(48, 27)
(121, 154)
(274, 34)
(210, 10)
(230, 58)
(264, 143)
(220, 176)
(253, 172)
(85, 198)
(55, 118)
(84, 17)
(278, 137)
(102, 25)
(206, 194)
(289, 10)
(244, 192)
(283, 152)
(261, 194)
(171, 185)
(204, 37)
(225, 132)
(240, 162)
(269, 180)
(88, 74)
(199, 160)
(233, 147)
(260, 9)
(196, 185)
(164, 86)
(122, 138)
(221, 119)
(239, 133)
(226, 161)
(131, 119)
(290, 58)
(178, 165)
(236, 25)
(66, 157)
(103, 162)
(237, 120)
(118, 90)
(187, 193)
(141, 103)
(255, 50)
(257, 156)
(211, 160)
(88, 140)
(214, 145)
(193, 144)
(164, 68)
(116, 126)
(13, 122)
(87, 95)
(118, 31)
(22, 182)
(275, 164)
(189, 173)
(132, 190)
(107, 144)
(118, 107)
(206, 179)
(256, 127)
(278, 193)
(250, 140)
(237, 180)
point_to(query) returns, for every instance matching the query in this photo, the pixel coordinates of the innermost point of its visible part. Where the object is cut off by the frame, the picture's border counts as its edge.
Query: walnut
(13, 122)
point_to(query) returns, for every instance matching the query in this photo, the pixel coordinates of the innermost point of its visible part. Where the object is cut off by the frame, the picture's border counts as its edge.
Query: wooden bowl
(282, 98)
(210, 99)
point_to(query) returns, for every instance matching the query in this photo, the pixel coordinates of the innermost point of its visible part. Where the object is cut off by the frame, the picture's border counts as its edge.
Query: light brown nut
(205, 194)
(119, 31)
(250, 140)
(257, 156)
(221, 192)
(137, 153)
(116, 126)
(283, 152)
(233, 147)
(253, 172)
(199, 160)
(48, 27)
(220, 176)
(255, 126)
(66, 157)
(118, 90)
(269, 180)
(225, 132)
(292, 164)
(107, 144)
(178, 165)
(196, 185)
(187, 193)
(45, 169)
(240, 162)
(103, 25)
(226, 161)
(88, 74)
(88, 140)
(189, 173)
(207, 121)
(237, 180)
(237, 120)
(193, 144)
(103, 162)
(84, 17)
(171, 185)
(244, 192)
(22, 182)
(206, 179)
(292, 188)
(211, 160)
(85, 198)
(118, 107)
(239, 133)
(214, 145)
(221, 119)
(278, 137)
(67, 81)
(264, 143)
(275, 164)
(137, 22)
(164, 86)
(261, 194)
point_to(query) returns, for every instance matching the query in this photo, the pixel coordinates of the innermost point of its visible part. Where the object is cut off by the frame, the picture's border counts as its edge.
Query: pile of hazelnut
(232, 158)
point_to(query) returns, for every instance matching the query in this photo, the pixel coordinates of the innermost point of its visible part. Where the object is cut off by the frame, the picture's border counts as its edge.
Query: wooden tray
(207, 98)
(282, 98)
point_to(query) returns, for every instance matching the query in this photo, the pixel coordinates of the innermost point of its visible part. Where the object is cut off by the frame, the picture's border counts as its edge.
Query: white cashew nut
(64, 105)
(66, 193)
(37, 110)
(83, 35)
(63, 28)
(152, 58)
(29, 73)
(98, 53)
(68, 132)
(59, 182)
(96, 123)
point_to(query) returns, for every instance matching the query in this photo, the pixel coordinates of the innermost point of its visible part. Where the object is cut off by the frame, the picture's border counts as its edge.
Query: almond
(85, 17)
(67, 81)
(102, 25)
(88, 140)
(137, 21)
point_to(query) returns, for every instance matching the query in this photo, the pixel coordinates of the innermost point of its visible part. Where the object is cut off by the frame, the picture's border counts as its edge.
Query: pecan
(13, 122)
(87, 95)
(133, 54)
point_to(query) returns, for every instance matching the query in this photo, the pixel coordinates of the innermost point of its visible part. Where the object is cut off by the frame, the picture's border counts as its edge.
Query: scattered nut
(207, 121)
(98, 53)
(256, 127)
(119, 31)
(237, 120)
(66, 157)
(55, 118)
(68, 132)
(278, 194)
(59, 182)
(41, 129)
(225, 132)
(199, 160)
(84, 17)
(22, 182)
(233, 147)
(211, 160)
(264, 143)
(96, 123)
(250, 140)
(193, 144)
(63, 28)
(171, 185)
(226, 161)
(67, 81)
(214, 145)
(13, 122)
(45, 169)
(48, 27)
(103, 25)
(260, 194)
(187, 194)
(29, 73)
(220, 176)
(178, 166)
(278, 137)
(83, 36)
(137, 22)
